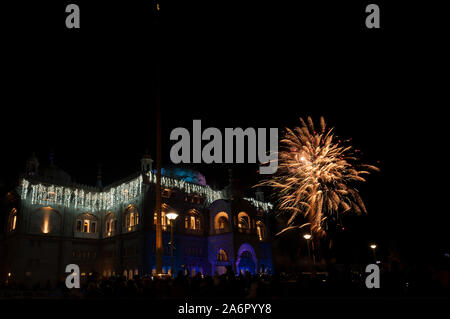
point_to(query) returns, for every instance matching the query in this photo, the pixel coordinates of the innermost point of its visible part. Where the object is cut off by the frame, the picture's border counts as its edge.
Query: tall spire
(99, 177)
(51, 157)
(230, 190)
(230, 176)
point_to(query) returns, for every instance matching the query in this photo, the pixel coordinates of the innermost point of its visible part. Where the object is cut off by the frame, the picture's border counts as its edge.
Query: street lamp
(374, 247)
(171, 216)
(307, 237)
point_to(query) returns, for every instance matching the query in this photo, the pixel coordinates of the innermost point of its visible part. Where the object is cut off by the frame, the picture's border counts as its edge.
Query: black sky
(89, 94)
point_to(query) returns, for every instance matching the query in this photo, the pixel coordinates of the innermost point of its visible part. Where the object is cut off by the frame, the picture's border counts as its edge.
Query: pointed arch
(12, 220)
(246, 251)
(261, 230)
(222, 222)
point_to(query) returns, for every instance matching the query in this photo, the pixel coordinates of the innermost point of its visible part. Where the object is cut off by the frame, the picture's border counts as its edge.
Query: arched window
(222, 255)
(164, 220)
(131, 217)
(221, 222)
(110, 224)
(261, 230)
(192, 220)
(12, 220)
(86, 223)
(243, 221)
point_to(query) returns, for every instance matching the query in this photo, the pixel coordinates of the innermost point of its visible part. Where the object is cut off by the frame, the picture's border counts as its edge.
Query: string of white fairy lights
(263, 205)
(107, 199)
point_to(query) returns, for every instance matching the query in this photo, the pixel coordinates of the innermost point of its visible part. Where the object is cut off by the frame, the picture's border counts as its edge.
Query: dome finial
(51, 156)
(146, 162)
(32, 165)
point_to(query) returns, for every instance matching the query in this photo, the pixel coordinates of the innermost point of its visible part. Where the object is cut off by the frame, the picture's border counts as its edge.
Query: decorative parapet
(78, 196)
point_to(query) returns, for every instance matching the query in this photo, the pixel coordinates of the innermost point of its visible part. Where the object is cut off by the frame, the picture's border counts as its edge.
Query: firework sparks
(316, 177)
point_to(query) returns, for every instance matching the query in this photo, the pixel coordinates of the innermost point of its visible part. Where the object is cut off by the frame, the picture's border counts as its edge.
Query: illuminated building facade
(51, 222)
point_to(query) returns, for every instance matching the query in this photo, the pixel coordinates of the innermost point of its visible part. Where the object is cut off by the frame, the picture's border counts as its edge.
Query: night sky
(89, 94)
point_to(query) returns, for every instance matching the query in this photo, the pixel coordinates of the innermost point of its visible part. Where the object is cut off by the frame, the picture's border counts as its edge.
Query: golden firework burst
(316, 177)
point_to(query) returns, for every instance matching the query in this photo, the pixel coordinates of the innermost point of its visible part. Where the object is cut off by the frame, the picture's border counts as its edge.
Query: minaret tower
(32, 166)
(146, 162)
(259, 194)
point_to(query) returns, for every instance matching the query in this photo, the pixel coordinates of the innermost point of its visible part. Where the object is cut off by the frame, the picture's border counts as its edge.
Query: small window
(166, 193)
(223, 222)
(197, 223)
(164, 220)
(86, 223)
(192, 221)
(243, 221)
(12, 220)
(261, 230)
(111, 225)
(131, 217)
(222, 255)
(86, 226)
